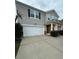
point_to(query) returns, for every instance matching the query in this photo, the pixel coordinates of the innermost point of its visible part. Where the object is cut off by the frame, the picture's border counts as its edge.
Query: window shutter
(48, 18)
(39, 15)
(28, 12)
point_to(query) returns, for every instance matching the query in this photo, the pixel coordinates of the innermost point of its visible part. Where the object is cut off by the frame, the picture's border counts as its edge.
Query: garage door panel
(32, 30)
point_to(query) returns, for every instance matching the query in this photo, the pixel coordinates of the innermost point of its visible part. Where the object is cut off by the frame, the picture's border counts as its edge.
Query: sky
(46, 5)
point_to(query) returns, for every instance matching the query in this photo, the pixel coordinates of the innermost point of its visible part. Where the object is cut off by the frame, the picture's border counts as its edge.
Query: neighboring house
(35, 21)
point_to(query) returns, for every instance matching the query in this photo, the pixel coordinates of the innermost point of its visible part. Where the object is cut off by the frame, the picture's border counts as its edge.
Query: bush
(61, 32)
(54, 33)
(18, 31)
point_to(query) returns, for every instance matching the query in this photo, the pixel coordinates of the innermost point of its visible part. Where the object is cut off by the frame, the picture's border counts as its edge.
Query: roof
(28, 6)
(55, 21)
(52, 11)
(36, 8)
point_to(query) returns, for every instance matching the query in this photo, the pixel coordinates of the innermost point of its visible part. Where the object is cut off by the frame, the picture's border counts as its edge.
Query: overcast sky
(47, 5)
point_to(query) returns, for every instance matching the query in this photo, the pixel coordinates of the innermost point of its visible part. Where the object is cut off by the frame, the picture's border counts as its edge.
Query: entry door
(48, 28)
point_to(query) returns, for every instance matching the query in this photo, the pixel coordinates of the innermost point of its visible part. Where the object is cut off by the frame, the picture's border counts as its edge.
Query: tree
(18, 15)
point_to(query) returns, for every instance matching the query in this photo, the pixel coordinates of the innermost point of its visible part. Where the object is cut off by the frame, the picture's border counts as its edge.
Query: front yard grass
(17, 44)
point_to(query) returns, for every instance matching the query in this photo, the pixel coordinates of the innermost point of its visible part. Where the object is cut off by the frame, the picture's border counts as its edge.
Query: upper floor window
(48, 18)
(52, 18)
(33, 13)
(37, 14)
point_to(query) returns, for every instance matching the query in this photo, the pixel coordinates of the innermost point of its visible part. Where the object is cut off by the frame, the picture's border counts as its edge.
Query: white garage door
(32, 30)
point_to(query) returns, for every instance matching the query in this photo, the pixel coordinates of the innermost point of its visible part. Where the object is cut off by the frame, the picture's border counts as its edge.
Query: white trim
(29, 25)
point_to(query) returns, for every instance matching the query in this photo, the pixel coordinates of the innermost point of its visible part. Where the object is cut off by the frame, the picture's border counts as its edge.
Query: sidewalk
(41, 47)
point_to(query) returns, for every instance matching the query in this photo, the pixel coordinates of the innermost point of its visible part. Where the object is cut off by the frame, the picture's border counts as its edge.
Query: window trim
(34, 13)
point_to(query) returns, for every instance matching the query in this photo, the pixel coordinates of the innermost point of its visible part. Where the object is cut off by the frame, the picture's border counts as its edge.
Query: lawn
(17, 44)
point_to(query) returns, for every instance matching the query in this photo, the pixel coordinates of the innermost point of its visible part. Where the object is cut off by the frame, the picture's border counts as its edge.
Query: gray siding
(23, 10)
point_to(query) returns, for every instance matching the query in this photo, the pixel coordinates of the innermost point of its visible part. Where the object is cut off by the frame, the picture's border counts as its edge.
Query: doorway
(48, 28)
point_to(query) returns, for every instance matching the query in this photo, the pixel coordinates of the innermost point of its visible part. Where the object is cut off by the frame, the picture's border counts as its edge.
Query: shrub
(61, 32)
(54, 33)
(18, 31)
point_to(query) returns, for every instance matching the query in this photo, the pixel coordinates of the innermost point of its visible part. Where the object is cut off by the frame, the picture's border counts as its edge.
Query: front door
(48, 28)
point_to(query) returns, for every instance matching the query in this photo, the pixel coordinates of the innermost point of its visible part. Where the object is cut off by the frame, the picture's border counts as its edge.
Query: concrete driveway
(41, 47)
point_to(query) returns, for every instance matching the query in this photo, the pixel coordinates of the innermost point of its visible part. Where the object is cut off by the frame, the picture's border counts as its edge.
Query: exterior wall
(52, 13)
(56, 27)
(61, 27)
(48, 15)
(23, 10)
(26, 21)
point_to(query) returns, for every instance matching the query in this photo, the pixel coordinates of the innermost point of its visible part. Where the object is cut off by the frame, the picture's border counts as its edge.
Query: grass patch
(17, 44)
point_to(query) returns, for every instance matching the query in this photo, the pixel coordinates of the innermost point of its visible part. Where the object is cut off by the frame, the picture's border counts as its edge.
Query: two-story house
(35, 21)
